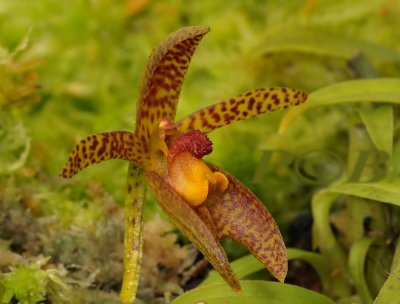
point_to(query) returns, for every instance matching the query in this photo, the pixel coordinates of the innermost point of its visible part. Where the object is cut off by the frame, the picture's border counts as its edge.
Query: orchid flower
(205, 202)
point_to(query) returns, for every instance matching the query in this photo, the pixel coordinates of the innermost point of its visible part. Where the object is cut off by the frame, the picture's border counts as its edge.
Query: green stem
(133, 234)
(325, 239)
(357, 260)
(364, 215)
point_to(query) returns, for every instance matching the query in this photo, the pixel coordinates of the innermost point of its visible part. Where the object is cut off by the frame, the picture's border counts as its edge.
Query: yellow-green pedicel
(206, 203)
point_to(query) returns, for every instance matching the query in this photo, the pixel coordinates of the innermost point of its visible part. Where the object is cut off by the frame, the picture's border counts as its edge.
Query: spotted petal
(242, 107)
(192, 226)
(163, 78)
(238, 214)
(104, 146)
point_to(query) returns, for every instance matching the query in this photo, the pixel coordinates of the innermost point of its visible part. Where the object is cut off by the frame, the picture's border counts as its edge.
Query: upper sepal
(239, 215)
(163, 78)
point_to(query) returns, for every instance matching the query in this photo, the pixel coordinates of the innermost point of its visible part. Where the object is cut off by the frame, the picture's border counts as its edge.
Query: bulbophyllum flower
(205, 202)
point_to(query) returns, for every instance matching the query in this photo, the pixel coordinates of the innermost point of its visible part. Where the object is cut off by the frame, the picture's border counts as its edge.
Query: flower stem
(133, 235)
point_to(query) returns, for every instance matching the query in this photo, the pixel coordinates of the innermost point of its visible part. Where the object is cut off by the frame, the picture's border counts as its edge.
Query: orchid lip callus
(205, 202)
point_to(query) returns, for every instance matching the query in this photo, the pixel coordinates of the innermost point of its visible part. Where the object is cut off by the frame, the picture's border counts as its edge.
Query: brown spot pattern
(104, 146)
(163, 78)
(242, 107)
(238, 214)
(192, 226)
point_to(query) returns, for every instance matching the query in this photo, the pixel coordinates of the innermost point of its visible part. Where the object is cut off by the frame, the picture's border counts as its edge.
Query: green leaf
(325, 240)
(253, 292)
(379, 124)
(386, 192)
(389, 293)
(248, 265)
(316, 42)
(357, 257)
(379, 255)
(383, 191)
(362, 67)
(382, 90)
(396, 159)
(242, 267)
(358, 208)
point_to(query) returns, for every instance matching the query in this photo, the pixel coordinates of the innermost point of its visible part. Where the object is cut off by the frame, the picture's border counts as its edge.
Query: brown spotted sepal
(192, 226)
(163, 78)
(104, 146)
(237, 214)
(242, 107)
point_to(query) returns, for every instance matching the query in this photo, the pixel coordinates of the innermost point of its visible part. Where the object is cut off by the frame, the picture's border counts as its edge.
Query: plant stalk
(133, 234)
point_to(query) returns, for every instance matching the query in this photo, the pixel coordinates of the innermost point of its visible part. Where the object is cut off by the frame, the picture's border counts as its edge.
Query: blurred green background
(90, 56)
(72, 68)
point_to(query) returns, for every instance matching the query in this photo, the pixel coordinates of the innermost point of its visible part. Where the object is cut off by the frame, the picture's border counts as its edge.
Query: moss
(29, 284)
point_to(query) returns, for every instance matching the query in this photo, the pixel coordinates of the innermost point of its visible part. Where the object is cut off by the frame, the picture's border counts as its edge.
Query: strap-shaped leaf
(239, 215)
(163, 78)
(191, 225)
(242, 107)
(104, 146)
(254, 292)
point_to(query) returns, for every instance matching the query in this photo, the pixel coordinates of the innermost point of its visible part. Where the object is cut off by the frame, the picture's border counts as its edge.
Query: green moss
(26, 283)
